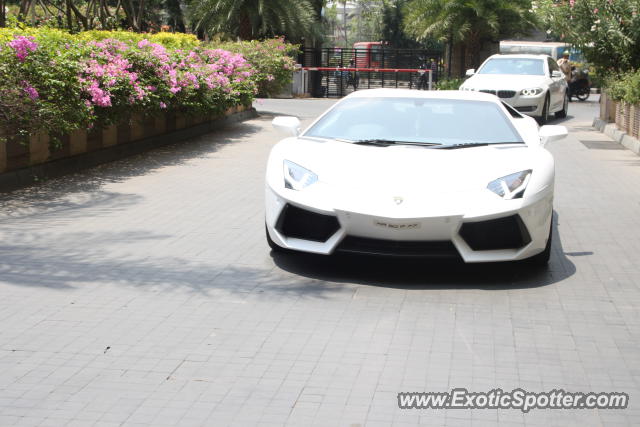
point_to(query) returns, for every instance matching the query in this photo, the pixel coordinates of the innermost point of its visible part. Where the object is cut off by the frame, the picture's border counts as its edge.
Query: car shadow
(408, 273)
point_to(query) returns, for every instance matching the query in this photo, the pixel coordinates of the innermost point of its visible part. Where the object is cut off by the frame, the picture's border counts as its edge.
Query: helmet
(566, 53)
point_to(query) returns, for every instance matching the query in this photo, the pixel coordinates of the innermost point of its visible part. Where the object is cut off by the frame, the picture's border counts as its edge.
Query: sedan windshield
(416, 120)
(521, 66)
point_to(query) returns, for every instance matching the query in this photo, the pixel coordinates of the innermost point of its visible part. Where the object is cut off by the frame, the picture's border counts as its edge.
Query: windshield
(524, 66)
(529, 49)
(418, 120)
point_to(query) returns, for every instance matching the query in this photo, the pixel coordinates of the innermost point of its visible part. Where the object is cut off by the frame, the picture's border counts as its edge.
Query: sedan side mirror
(556, 73)
(470, 72)
(551, 133)
(287, 124)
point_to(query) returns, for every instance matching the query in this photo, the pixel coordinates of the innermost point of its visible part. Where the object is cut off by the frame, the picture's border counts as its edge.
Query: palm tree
(248, 19)
(469, 24)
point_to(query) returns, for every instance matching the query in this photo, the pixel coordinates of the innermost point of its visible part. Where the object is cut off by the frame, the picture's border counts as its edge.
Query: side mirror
(287, 124)
(470, 72)
(556, 73)
(551, 133)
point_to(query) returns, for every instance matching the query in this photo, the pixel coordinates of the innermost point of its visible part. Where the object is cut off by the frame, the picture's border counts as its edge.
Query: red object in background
(368, 54)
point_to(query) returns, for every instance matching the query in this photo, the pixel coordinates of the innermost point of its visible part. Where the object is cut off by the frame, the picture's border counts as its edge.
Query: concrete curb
(612, 131)
(20, 178)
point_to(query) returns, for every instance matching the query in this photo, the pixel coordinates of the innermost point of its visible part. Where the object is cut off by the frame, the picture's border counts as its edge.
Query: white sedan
(532, 84)
(414, 173)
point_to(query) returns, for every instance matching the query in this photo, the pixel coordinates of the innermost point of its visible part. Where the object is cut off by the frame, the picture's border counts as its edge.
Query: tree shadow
(402, 273)
(61, 194)
(84, 260)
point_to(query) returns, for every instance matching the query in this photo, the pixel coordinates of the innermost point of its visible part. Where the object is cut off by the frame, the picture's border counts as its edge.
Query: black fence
(338, 83)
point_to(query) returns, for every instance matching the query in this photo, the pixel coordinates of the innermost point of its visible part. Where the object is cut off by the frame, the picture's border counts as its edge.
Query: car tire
(544, 118)
(542, 259)
(583, 94)
(565, 106)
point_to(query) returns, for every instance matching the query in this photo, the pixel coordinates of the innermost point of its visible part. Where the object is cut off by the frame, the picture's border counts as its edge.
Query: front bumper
(529, 105)
(497, 230)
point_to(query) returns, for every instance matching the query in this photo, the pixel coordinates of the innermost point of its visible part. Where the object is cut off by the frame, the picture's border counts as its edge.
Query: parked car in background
(532, 84)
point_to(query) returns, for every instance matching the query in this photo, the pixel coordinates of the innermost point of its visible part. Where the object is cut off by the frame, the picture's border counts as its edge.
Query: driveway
(143, 293)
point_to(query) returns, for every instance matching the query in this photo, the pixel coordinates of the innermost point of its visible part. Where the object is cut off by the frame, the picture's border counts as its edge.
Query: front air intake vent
(501, 233)
(303, 224)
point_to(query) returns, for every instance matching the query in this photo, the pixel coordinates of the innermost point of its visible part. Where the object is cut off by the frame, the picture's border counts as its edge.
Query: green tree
(469, 23)
(250, 19)
(606, 31)
(393, 12)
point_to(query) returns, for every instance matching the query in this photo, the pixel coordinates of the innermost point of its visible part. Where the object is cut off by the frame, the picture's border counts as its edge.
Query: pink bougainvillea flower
(30, 91)
(23, 45)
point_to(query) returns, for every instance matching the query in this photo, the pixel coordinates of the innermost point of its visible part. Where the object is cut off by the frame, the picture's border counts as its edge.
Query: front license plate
(396, 225)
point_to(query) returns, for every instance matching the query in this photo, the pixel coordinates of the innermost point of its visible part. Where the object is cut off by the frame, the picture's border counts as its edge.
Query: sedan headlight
(535, 91)
(296, 177)
(511, 186)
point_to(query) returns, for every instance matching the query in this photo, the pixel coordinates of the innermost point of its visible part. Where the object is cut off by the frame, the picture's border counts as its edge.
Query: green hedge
(58, 82)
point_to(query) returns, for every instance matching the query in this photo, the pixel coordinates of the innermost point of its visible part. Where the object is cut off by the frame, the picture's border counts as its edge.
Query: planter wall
(24, 163)
(627, 118)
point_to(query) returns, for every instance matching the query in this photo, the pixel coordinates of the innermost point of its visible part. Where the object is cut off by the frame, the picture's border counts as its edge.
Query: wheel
(565, 106)
(544, 118)
(273, 245)
(583, 93)
(542, 259)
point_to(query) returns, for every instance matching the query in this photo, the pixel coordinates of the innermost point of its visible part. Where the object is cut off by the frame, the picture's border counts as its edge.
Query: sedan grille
(492, 92)
(427, 249)
(506, 93)
(303, 224)
(501, 233)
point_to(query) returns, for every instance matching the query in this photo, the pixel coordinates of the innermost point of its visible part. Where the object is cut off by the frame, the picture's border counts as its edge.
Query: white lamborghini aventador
(414, 173)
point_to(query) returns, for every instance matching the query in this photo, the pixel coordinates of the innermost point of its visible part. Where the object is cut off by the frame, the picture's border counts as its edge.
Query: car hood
(357, 168)
(504, 81)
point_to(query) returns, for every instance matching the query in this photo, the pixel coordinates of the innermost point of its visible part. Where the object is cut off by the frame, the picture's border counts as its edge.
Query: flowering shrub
(273, 60)
(606, 31)
(55, 82)
(39, 89)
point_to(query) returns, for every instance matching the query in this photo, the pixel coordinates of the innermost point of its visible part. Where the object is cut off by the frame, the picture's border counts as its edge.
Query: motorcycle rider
(565, 66)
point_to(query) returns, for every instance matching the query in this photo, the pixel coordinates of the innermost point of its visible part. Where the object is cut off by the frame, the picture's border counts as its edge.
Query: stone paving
(142, 293)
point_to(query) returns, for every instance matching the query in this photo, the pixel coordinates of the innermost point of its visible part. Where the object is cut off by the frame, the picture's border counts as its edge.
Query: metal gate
(336, 72)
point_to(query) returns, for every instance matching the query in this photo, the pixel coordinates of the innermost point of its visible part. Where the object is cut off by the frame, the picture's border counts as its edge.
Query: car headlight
(511, 186)
(532, 91)
(296, 177)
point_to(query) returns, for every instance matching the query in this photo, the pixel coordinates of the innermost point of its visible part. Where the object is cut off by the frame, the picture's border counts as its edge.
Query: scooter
(579, 86)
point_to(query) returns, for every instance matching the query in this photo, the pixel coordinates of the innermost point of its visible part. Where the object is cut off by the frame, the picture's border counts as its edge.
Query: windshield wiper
(475, 144)
(386, 142)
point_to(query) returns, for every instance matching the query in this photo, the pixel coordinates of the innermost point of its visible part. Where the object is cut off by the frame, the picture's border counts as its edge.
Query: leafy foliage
(464, 20)
(57, 82)
(469, 21)
(449, 84)
(606, 31)
(249, 19)
(272, 59)
(624, 87)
